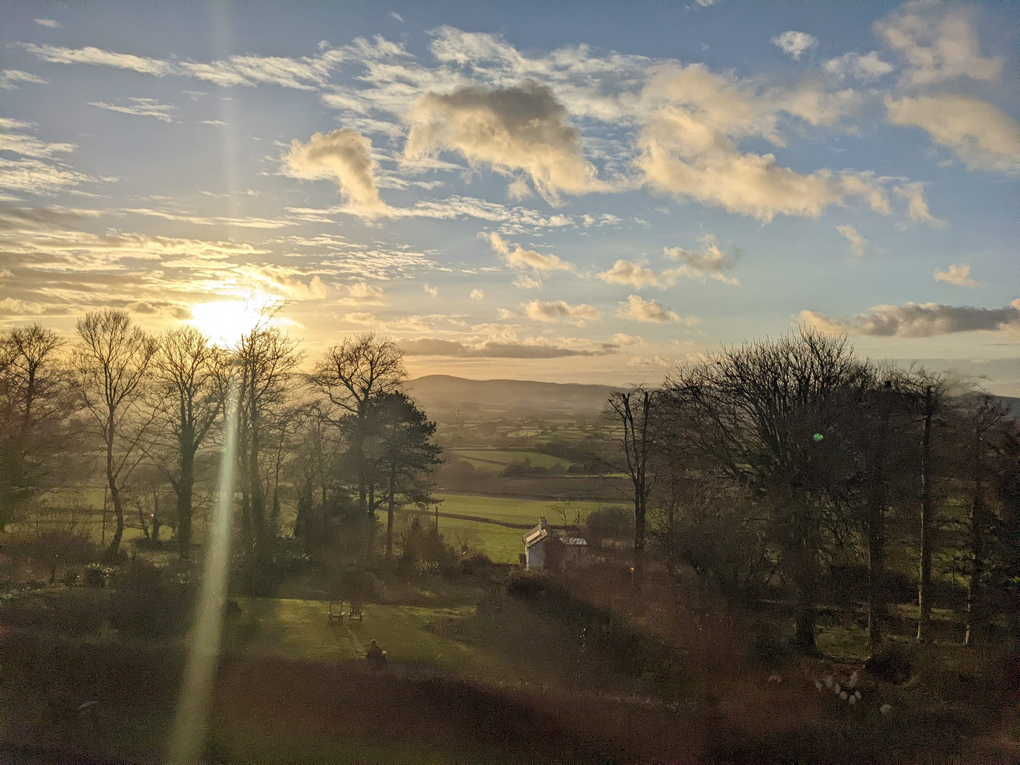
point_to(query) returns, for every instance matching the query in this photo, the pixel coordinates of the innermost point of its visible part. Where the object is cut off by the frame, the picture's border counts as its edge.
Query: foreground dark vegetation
(799, 556)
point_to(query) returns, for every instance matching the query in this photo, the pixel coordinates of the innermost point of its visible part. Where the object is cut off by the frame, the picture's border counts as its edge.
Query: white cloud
(141, 107)
(521, 258)
(709, 263)
(432, 291)
(924, 320)
(396, 17)
(363, 293)
(526, 282)
(214, 123)
(16, 307)
(982, 135)
(637, 309)
(688, 146)
(938, 42)
(477, 294)
(856, 239)
(345, 157)
(521, 128)
(860, 67)
(958, 274)
(556, 310)
(506, 346)
(633, 275)
(10, 77)
(96, 57)
(47, 23)
(795, 43)
(623, 339)
(917, 206)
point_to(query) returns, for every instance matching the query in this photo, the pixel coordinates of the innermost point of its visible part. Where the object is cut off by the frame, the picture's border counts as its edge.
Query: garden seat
(355, 612)
(336, 612)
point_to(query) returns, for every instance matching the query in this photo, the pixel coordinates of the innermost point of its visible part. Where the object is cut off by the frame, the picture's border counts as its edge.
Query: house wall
(536, 556)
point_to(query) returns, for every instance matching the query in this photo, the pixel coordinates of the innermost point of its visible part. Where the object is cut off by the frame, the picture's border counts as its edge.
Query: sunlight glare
(224, 322)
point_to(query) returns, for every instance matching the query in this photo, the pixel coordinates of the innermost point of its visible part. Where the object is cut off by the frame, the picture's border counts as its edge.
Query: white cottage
(545, 550)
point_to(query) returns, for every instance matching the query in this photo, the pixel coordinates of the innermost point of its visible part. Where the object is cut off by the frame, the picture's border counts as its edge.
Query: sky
(571, 192)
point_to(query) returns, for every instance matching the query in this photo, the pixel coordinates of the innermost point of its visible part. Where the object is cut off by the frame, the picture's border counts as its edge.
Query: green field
(494, 460)
(500, 543)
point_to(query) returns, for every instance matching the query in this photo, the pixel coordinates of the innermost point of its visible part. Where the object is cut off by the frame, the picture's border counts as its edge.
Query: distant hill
(440, 394)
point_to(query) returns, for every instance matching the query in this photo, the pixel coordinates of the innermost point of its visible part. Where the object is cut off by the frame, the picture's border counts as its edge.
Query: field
(501, 522)
(494, 460)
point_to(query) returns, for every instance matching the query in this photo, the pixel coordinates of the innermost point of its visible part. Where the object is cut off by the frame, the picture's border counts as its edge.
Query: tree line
(147, 412)
(795, 455)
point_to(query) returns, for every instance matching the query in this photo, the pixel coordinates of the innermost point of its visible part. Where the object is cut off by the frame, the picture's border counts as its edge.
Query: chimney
(542, 523)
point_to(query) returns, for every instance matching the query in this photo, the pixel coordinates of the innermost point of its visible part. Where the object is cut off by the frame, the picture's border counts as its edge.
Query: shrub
(147, 604)
(95, 576)
(525, 585)
(892, 664)
(770, 649)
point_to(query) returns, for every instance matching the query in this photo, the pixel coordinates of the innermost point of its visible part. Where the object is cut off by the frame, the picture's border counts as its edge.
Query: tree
(263, 364)
(631, 413)
(772, 418)
(34, 411)
(406, 452)
(111, 360)
(349, 375)
(191, 375)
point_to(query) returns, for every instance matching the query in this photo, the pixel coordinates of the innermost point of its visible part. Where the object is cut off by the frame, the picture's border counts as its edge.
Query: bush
(147, 604)
(525, 585)
(95, 576)
(892, 664)
(770, 649)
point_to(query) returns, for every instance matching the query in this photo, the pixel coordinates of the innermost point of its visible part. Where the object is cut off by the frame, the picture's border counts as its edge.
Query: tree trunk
(185, 492)
(927, 510)
(977, 559)
(118, 506)
(639, 533)
(392, 507)
(876, 535)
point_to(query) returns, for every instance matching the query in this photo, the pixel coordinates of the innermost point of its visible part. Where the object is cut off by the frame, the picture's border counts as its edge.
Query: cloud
(214, 123)
(958, 274)
(363, 293)
(9, 78)
(859, 67)
(705, 264)
(477, 295)
(623, 339)
(795, 43)
(15, 307)
(557, 310)
(47, 23)
(633, 275)
(498, 349)
(345, 157)
(430, 290)
(14, 140)
(524, 259)
(917, 207)
(982, 135)
(856, 239)
(141, 107)
(96, 57)
(525, 282)
(396, 17)
(938, 42)
(919, 320)
(637, 309)
(520, 128)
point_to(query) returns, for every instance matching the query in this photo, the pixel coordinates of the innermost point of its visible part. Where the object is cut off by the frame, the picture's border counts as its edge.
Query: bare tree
(264, 362)
(191, 375)
(349, 375)
(34, 411)
(110, 360)
(771, 416)
(631, 413)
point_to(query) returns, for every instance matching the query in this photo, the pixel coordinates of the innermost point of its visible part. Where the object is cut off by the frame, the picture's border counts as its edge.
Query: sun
(225, 322)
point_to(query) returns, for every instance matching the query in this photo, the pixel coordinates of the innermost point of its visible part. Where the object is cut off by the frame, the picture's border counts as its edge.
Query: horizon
(520, 193)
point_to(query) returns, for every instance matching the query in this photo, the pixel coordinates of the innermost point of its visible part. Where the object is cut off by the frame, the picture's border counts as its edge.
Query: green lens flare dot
(817, 437)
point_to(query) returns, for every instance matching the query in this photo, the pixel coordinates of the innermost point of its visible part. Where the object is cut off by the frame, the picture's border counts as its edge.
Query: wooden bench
(335, 614)
(355, 611)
